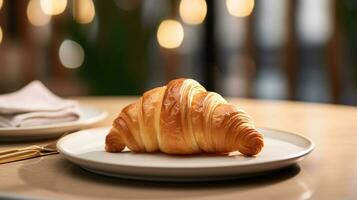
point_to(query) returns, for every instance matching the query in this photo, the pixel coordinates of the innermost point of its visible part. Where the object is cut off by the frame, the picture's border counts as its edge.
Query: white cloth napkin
(35, 105)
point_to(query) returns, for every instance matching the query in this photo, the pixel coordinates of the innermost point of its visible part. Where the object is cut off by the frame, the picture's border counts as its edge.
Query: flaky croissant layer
(183, 118)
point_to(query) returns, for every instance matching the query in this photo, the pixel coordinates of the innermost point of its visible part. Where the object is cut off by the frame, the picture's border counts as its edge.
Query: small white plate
(88, 116)
(86, 149)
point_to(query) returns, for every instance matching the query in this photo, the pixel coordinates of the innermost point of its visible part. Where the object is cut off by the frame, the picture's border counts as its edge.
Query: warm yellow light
(84, 11)
(170, 34)
(0, 35)
(240, 8)
(193, 11)
(35, 15)
(53, 7)
(1, 1)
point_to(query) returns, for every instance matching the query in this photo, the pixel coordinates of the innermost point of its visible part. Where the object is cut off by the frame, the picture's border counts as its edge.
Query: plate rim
(289, 158)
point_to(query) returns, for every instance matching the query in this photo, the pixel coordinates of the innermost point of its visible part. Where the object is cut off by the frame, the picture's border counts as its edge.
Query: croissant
(183, 118)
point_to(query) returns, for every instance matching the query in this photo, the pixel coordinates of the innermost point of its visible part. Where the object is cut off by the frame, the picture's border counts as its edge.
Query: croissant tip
(113, 149)
(113, 142)
(254, 146)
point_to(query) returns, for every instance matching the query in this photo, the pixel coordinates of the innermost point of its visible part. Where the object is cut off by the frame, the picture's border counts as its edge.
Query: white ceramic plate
(86, 149)
(88, 116)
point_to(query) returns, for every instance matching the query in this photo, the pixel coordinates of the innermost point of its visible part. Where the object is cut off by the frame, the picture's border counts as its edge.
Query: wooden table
(330, 172)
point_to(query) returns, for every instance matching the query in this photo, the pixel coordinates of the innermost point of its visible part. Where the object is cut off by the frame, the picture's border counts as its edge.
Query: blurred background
(303, 50)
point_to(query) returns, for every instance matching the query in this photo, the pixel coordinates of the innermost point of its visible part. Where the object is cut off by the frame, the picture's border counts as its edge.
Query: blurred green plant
(113, 43)
(349, 16)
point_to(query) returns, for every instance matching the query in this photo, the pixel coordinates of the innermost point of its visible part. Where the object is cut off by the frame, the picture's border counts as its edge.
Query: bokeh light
(71, 54)
(1, 1)
(53, 7)
(240, 8)
(35, 14)
(0, 35)
(170, 34)
(193, 11)
(84, 11)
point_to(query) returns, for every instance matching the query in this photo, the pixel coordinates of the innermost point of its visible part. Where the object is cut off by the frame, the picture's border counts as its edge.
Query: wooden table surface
(329, 172)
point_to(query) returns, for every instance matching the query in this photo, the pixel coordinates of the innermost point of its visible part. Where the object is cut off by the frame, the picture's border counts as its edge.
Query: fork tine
(52, 145)
(11, 155)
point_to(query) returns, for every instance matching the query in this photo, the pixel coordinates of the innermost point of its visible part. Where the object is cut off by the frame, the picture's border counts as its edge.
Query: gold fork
(16, 154)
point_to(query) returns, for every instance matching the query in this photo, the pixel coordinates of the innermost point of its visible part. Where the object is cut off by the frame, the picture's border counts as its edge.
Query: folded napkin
(35, 105)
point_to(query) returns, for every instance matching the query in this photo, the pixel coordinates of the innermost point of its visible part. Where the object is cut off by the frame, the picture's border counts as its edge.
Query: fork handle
(9, 151)
(20, 155)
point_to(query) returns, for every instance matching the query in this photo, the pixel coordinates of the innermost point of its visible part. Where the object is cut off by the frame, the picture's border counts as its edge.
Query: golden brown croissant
(183, 118)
